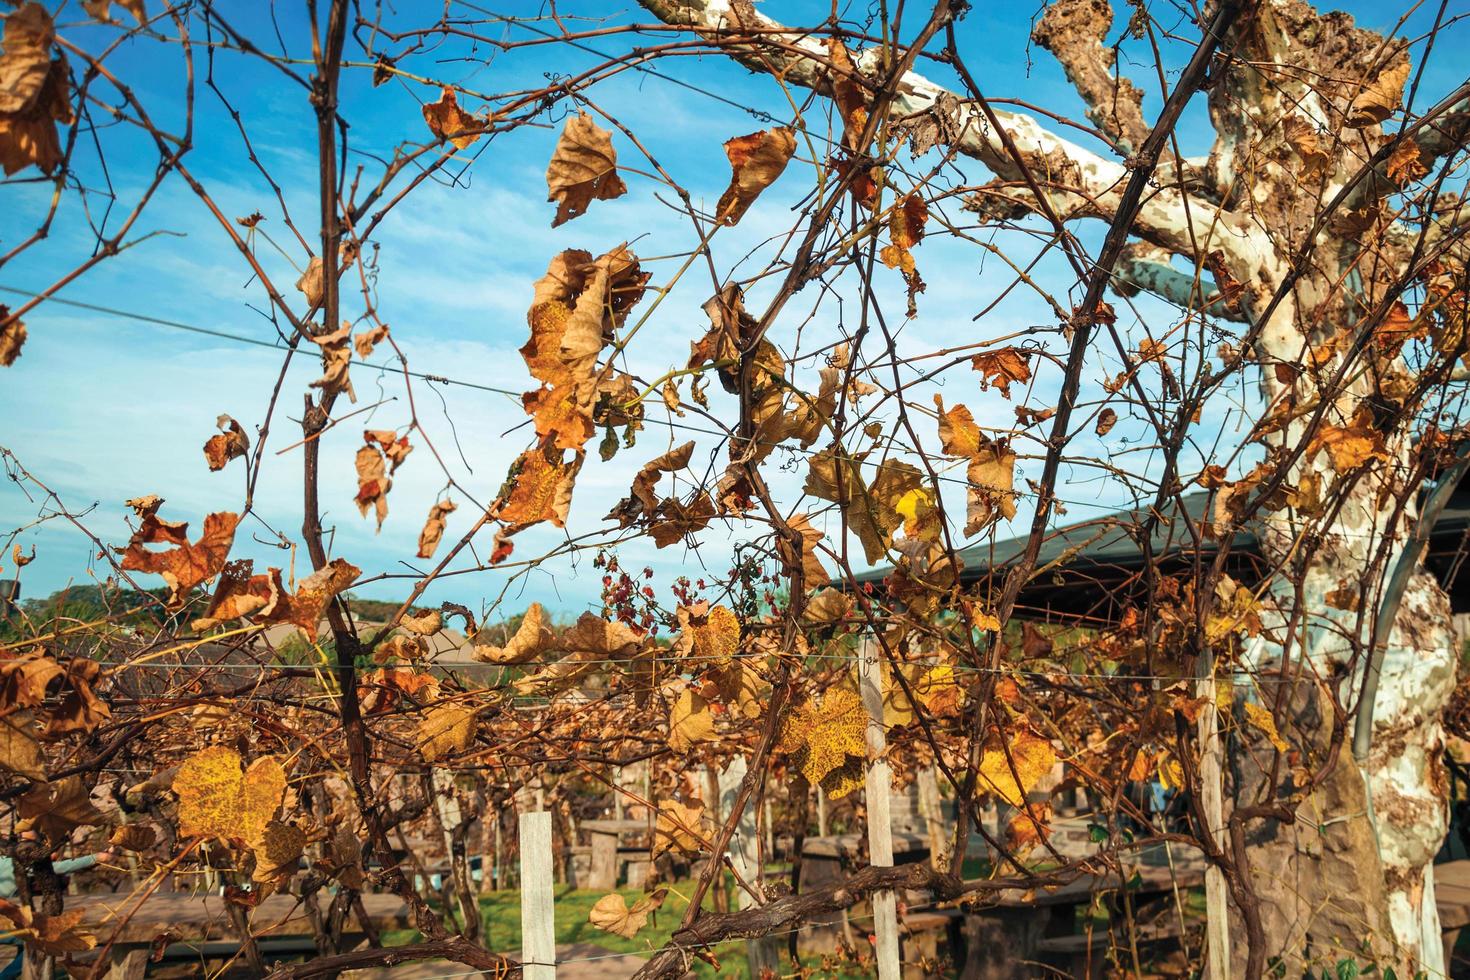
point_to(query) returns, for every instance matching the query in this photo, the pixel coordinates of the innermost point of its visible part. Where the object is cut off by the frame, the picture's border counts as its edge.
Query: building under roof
(1099, 562)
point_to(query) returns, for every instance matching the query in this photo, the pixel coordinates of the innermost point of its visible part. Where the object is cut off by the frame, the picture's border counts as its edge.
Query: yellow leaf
(1033, 756)
(680, 827)
(826, 737)
(690, 721)
(708, 634)
(1264, 722)
(218, 799)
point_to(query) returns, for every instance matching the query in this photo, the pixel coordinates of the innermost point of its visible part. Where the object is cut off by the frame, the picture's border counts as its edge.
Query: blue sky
(103, 408)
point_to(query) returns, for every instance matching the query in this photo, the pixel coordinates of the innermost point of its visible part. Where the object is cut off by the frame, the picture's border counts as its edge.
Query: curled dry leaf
(20, 558)
(424, 624)
(755, 163)
(336, 360)
(1106, 419)
(365, 342)
(612, 914)
(102, 9)
(814, 575)
(231, 443)
(1029, 827)
(583, 169)
(218, 797)
(1349, 446)
(538, 488)
(34, 95)
(12, 337)
(531, 638)
(668, 519)
(266, 599)
(1380, 97)
(433, 531)
(446, 729)
(446, 120)
(905, 230)
(137, 837)
(187, 566)
(58, 808)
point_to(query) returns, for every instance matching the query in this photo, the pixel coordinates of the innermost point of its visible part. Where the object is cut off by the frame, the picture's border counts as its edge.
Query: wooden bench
(199, 928)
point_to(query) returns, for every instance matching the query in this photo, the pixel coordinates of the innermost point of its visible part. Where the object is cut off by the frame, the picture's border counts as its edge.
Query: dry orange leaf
(680, 827)
(183, 567)
(958, 433)
(231, 443)
(1002, 367)
(583, 169)
(1349, 446)
(531, 637)
(446, 120)
(538, 488)
(755, 163)
(12, 337)
(707, 634)
(365, 342)
(1380, 97)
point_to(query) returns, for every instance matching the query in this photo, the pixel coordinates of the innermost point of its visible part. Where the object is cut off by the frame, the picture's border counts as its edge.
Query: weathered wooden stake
(879, 790)
(538, 925)
(765, 953)
(1211, 777)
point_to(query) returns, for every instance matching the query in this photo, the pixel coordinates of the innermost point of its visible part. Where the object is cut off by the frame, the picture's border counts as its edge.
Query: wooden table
(199, 926)
(607, 852)
(1017, 926)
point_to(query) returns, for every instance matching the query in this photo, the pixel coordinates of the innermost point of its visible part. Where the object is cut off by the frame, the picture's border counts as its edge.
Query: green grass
(500, 917)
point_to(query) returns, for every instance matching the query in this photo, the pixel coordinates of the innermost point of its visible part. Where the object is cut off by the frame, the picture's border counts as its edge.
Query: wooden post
(1211, 777)
(932, 811)
(879, 789)
(821, 812)
(761, 954)
(538, 925)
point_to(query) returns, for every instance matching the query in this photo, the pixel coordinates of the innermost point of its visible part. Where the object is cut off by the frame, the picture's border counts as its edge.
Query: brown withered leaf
(433, 531)
(676, 518)
(336, 357)
(238, 593)
(958, 433)
(231, 443)
(690, 721)
(1029, 828)
(1106, 419)
(575, 309)
(446, 120)
(12, 337)
(680, 827)
(305, 606)
(135, 837)
(365, 342)
(34, 93)
(19, 751)
(583, 169)
(814, 575)
(373, 483)
(612, 914)
(755, 163)
(80, 709)
(992, 473)
(52, 935)
(1379, 97)
(445, 729)
(708, 634)
(58, 808)
(532, 637)
(188, 565)
(1404, 165)
(394, 446)
(1003, 367)
(102, 9)
(643, 499)
(905, 230)
(278, 852)
(24, 680)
